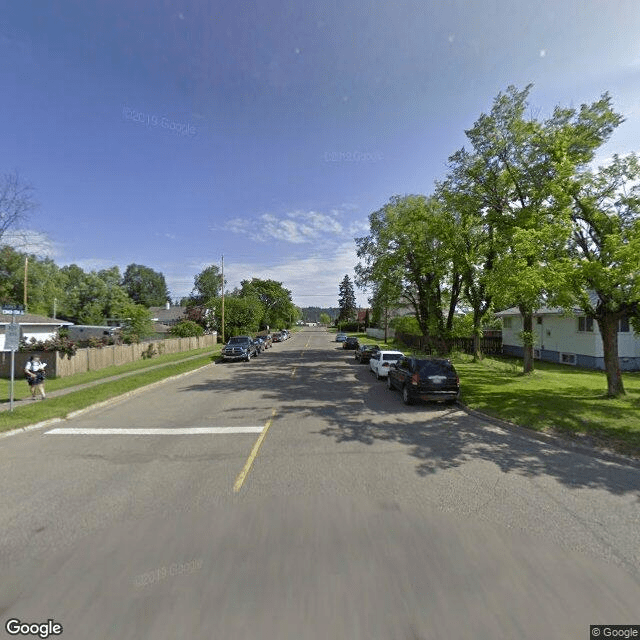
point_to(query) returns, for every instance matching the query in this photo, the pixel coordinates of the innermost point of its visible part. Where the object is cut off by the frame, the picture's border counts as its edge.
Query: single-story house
(166, 317)
(32, 326)
(569, 339)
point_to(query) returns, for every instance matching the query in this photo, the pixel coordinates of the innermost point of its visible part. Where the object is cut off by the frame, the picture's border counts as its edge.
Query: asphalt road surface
(294, 496)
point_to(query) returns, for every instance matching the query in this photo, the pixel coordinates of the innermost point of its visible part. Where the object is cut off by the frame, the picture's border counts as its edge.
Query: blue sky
(171, 133)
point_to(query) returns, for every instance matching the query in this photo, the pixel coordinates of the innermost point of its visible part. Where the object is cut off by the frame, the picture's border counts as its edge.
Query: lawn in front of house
(555, 399)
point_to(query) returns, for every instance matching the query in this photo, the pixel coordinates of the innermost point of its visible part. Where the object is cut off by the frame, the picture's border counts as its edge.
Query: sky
(170, 134)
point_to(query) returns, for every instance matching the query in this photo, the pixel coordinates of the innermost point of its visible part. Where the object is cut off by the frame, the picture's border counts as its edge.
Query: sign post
(12, 343)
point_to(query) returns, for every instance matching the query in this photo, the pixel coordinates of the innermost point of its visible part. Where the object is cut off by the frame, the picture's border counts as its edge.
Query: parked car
(277, 337)
(259, 342)
(341, 337)
(364, 351)
(239, 348)
(268, 340)
(285, 334)
(380, 362)
(351, 343)
(433, 379)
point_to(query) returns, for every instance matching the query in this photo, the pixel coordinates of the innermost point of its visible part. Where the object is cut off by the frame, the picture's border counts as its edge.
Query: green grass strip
(61, 406)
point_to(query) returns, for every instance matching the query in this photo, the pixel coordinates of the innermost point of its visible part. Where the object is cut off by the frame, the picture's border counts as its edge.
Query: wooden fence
(92, 359)
(489, 345)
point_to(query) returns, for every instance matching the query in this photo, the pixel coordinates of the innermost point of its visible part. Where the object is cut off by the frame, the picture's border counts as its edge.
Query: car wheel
(406, 398)
(248, 356)
(389, 383)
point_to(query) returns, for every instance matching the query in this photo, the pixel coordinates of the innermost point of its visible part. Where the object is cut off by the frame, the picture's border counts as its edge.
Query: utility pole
(222, 299)
(26, 266)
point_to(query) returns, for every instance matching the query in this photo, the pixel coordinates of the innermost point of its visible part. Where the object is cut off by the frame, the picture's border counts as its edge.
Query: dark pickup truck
(239, 348)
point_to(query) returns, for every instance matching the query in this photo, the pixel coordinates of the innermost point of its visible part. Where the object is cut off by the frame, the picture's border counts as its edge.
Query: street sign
(12, 307)
(12, 337)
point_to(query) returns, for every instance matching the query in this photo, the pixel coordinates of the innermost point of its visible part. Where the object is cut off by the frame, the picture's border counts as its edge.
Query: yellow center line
(293, 373)
(252, 456)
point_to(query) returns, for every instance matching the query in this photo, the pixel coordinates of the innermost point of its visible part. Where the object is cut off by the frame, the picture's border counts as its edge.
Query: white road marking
(178, 431)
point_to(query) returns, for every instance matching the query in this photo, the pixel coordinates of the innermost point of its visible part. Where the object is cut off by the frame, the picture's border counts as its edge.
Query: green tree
(409, 253)
(88, 298)
(186, 329)
(279, 310)
(347, 301)
(11, 275)
(145, 286)
(520, 169)
(605, 253)
(241, 314)
(137, 322)
(207, 285)
(325, 318)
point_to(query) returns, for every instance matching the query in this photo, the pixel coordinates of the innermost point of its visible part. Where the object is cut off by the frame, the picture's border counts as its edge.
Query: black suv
(364, 351)
(432, 379)
(239, 348)
(351, 343)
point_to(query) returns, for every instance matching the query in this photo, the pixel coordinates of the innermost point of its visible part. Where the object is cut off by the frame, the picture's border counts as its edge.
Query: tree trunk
(527, 342)
(477, 329)
(608, 325)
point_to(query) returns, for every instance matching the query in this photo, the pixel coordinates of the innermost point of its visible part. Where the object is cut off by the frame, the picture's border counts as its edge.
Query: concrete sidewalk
(20, 382)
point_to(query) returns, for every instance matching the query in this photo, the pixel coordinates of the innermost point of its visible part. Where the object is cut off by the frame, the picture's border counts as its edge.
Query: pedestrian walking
(34, 370)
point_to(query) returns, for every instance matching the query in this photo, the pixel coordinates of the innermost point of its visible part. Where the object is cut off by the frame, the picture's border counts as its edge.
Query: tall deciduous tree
(145, 286)
(207, 285)
(279, 310)
(521, 168)
(409, 250)
(605, 251)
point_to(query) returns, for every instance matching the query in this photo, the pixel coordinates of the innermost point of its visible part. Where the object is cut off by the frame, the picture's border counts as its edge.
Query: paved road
(348, 516)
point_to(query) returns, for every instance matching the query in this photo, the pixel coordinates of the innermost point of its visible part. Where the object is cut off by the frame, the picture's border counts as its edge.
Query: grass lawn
(554, 399)
(61, 406)
(21, 389)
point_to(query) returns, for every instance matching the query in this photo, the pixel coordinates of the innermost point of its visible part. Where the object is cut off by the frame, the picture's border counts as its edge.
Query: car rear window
(391, 356)
(436, 368)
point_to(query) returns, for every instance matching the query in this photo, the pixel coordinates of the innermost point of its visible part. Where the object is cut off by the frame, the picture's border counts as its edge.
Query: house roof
(162, 314)
(542, 311)
(30, 318)
(552, 311)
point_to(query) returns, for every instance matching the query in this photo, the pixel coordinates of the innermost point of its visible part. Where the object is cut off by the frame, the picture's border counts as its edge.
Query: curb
(556, 440)
(99, 405)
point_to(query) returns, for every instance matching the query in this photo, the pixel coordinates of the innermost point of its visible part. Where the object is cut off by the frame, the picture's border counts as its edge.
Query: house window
(623, 327)
(539, 319)
(568, 358)
(506, 323)
(585, 323)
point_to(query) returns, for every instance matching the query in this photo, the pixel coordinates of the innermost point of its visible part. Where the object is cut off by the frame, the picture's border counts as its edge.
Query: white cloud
(312, 280)
(32, 242)
(296, 227)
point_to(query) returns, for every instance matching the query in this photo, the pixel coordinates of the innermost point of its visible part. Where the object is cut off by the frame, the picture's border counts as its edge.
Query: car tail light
(415, 378)
(386, 364)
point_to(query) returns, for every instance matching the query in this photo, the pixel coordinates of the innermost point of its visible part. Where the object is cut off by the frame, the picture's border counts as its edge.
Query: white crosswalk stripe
(177, 431)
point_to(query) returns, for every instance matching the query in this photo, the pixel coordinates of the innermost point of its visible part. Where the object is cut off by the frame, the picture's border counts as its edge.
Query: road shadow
(355, 407)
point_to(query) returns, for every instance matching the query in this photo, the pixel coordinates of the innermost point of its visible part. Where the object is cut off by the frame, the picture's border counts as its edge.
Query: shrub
(186, 329)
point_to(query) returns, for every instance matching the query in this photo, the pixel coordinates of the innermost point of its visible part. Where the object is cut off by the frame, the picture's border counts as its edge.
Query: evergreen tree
(347, 301)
